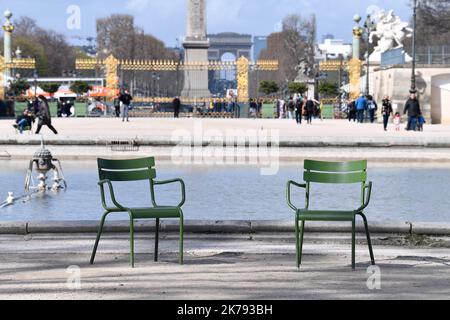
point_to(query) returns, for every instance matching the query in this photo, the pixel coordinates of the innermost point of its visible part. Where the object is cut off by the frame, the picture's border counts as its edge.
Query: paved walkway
(220, 267)
(85, 138)
(112, 127)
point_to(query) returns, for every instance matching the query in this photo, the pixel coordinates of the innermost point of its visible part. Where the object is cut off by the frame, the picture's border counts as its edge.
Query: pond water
(420, 193)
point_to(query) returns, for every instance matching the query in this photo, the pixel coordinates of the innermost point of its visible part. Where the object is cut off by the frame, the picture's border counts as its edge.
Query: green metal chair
(331, 173)
(136, 170)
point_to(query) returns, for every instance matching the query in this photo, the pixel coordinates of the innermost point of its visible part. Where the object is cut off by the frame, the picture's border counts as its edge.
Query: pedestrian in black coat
(386, 111)
(45, 118)
(412, 107)
(176, 107)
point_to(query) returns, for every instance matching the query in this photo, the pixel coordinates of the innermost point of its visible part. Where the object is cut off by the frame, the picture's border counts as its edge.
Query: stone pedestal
(196, 79)
(196, 52)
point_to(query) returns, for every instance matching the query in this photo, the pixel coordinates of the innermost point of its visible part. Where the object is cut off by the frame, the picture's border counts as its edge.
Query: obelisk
(196, 52)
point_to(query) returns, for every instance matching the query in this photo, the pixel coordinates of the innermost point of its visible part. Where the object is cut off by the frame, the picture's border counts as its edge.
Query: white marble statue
(391, 31)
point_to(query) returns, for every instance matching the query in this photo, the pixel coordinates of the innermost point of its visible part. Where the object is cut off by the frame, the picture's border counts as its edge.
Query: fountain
(43, 162)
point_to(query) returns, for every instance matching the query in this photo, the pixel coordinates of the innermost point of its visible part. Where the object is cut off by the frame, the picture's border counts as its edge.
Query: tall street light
(158, 79)
(413, 72)
(153, 84)
(369, 26)
(35, 76)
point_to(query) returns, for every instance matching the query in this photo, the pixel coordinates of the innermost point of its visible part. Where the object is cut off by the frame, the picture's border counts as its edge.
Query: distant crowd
(364, 105)
(298, 107)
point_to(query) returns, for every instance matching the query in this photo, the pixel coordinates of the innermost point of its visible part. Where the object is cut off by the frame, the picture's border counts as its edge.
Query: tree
(294, 48)
(297, 87)
(80, 54)
(118, 35)
(60, 55)
(52, 52)
(433, 21)
(50, 87)
(18, 87)
(329, 89)
(268, 87)
(115, 35)
(433, 25)
(299, 40)
(80, 87)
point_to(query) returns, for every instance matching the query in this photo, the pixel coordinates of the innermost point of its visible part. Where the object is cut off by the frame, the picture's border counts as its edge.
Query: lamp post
(368, 26)
(35, 76)
(413, 72)
(154, 84)
(158, 78)
(18, 53)
(8, 29)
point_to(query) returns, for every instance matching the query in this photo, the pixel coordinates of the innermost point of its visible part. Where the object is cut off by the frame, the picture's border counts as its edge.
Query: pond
(420, 193)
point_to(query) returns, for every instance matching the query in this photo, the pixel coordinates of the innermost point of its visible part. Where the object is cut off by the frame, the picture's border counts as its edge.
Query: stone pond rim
(285, 142)
(219, 227)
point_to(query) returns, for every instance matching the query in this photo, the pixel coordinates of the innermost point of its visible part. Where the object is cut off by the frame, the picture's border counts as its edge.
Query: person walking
(372, 107)
(253, 108)
(319, 111)
(397, 121)
(290, 108)
(44, 115)
(309, 106)
(299, 110)
(361, 107)
(126, 99)
(386, 111)
(412, 107)
(352, 111)
(176, 107)
(117, 106)
(282, 108)
(277, 107)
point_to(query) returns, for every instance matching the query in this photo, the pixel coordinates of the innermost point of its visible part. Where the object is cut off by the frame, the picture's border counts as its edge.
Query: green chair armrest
(288, 193)
(117, 205)
(183, 189)
(368, 195)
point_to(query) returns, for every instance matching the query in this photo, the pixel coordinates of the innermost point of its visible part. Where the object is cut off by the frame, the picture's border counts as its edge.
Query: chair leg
(99, 234)
(302, 232)
(132, 242)
(353, 244)
(297, 243)
(181, 239)
(156, 239)
(369, 242)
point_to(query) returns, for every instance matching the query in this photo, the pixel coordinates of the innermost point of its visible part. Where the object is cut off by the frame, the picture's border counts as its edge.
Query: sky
(166, 19)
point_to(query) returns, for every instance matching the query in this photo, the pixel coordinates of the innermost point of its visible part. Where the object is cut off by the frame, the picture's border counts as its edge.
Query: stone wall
(396, 81)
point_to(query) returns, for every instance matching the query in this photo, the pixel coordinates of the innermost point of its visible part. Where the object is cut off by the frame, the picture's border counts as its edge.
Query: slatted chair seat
(156, 212)
(136, 170)
(320, 172)
(318, 215)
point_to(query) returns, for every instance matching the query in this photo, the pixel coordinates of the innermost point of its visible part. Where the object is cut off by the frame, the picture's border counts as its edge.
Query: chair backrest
(335, 172)
(127, 170)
